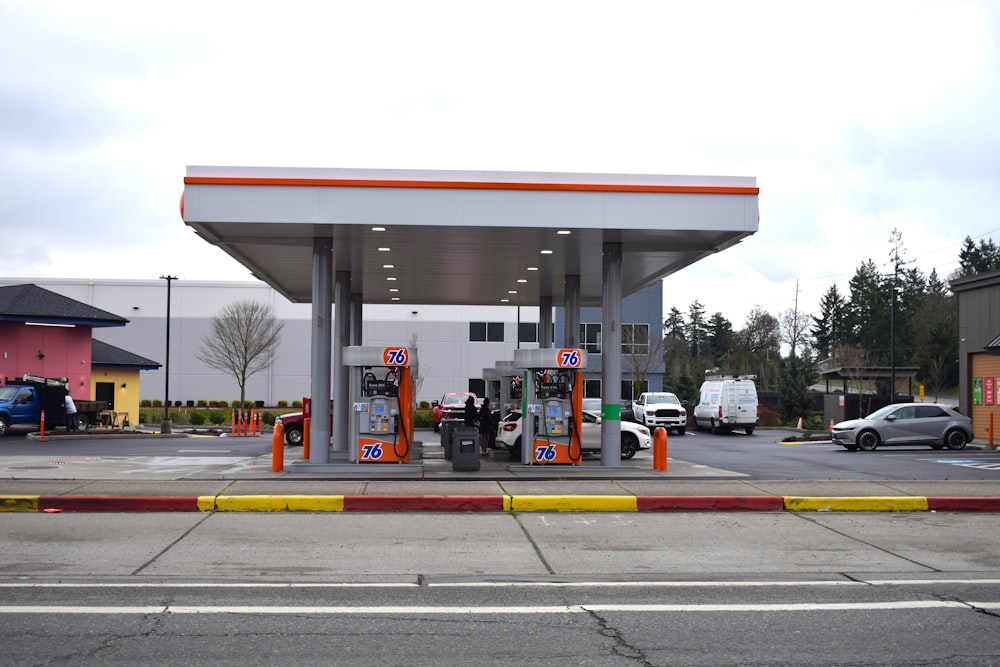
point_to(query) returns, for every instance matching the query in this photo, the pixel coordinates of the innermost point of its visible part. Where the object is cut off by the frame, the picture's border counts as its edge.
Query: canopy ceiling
(465, 238)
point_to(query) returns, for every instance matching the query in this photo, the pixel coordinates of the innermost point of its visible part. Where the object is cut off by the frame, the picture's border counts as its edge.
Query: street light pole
(165, 425)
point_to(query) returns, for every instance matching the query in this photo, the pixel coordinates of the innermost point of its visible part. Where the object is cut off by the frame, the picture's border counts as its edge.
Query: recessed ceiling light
(388, 266)
(522, 280)
(504, 300)
(393, 289)
(512, 291)
(532, 268)
(546, 252)
(384, 249)
(378, 229)
(395, 298)
(564, 232)
(390, 277)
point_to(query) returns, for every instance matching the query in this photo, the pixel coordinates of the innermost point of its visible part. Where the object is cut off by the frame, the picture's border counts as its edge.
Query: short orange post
(42, 426)
(232, 422)
(659, 448)
(991, 431)
(305, 438)
(278, 448)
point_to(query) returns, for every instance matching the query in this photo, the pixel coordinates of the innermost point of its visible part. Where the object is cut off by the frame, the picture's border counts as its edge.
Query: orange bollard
(305, 438)
(42, 426)
(991, 431)
(659, 448)
(278, 448)
(232, 422)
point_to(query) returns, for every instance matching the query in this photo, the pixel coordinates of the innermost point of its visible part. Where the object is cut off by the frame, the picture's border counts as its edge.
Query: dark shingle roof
(31, 303)
(104, 355)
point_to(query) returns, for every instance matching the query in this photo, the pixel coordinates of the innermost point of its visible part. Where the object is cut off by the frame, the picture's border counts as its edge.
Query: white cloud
(856, 118)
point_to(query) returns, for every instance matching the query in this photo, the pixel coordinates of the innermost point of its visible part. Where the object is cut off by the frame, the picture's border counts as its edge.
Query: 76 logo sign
(570, 358)
(395, 356)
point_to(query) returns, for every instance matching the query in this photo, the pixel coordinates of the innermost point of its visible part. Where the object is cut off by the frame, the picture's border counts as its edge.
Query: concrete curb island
(494, 503)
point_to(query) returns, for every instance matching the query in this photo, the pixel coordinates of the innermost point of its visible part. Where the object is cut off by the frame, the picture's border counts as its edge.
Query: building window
(527, 332)
(486, 332)
(631, 389)
(477, 387)
(635, 339)
(591, 388)
(590, 337)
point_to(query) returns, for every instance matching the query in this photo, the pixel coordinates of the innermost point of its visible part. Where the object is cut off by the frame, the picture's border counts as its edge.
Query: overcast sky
(855, 117)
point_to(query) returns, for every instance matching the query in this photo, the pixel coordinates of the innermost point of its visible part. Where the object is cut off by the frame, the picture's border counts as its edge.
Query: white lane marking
(508, 584)
(555, 609)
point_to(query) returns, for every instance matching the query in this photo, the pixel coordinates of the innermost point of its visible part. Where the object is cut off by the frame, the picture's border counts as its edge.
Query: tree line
(891, 316)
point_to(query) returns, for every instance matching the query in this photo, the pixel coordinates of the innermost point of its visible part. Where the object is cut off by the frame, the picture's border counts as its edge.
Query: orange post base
(278, 448)
(660, 448)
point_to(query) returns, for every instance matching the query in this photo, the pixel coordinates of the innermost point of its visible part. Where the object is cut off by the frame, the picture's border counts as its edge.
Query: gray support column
(611, 347)
(357, 315)
(571, 316)
(341, 373)
(319, 371)
(545, 322)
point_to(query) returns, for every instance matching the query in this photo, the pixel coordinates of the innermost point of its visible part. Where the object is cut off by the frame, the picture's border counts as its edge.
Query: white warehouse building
(454, 343)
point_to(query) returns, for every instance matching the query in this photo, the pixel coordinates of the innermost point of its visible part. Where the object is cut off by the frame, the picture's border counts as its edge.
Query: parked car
(594, 405)
(292, 423)
(452, 406)
(906, 424)
(634, 436)
(660, 408)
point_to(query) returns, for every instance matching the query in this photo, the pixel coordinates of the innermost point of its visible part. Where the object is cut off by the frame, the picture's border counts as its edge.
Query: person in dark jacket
(471, 413)
(485, 427)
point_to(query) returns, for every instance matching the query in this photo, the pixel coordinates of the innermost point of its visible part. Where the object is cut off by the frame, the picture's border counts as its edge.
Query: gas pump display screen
(553, 411)
(380, 409)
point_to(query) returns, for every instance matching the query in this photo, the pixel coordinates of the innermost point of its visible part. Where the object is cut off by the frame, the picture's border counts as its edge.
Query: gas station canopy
(465, 237)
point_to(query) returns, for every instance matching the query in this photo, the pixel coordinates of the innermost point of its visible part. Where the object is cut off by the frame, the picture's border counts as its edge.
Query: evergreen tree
(719, 343)
(973, 258)
(794, 398)
(830, 328)
(697, 329)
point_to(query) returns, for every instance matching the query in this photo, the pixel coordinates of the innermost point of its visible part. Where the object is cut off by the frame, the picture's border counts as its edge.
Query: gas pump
(553, 404)
(382, 403)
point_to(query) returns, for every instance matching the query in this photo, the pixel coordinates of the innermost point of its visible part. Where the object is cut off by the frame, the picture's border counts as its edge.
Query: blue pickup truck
(22, 401)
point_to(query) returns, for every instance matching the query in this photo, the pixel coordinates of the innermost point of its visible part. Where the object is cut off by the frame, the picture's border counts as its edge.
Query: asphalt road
(460, 589)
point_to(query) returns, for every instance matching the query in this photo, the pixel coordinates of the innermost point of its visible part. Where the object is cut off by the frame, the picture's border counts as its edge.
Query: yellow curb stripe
(573, 504)
(18, 503)
(291, 503)
(507, 504)
(856, 504)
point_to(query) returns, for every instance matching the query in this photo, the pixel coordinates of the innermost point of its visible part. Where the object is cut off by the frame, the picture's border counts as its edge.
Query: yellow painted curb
(856, 504)
(573, 504)
(507, 503)
(18, 503)
(277, 503)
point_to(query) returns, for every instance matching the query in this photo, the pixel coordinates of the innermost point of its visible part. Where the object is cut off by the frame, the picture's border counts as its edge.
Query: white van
(726, 403)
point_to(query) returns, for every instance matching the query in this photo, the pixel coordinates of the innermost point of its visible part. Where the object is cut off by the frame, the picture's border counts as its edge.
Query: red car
(452, 406)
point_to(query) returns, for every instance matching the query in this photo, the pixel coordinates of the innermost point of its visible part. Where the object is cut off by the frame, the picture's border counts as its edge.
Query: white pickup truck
(660, 408)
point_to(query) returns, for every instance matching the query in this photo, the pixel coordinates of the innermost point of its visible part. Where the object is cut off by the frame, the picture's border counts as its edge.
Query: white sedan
(634, 436)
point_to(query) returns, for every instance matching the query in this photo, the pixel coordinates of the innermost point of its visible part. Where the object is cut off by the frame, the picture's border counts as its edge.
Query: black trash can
(447, 427)
(465, 448)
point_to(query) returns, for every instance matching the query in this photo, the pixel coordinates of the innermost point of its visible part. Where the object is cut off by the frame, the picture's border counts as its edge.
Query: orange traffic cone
(799, 426)
(831, 425)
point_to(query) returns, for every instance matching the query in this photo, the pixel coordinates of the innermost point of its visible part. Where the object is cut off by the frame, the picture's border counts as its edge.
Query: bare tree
(640, 355)
(793, 326)
(242, 342)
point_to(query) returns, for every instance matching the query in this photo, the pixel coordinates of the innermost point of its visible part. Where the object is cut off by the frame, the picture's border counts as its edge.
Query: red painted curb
(710, 503)
(118, 503)
(963, 504)
(423, 503)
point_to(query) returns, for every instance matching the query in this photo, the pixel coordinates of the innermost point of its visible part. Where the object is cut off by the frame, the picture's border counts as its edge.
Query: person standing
(470, 411)
(485, 426)
(71, 424)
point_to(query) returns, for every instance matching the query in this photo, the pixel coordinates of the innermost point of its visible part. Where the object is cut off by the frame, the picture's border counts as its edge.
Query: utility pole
(165, 424)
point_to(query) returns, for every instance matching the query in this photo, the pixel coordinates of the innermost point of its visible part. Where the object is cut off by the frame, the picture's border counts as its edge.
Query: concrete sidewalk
(212, 483)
